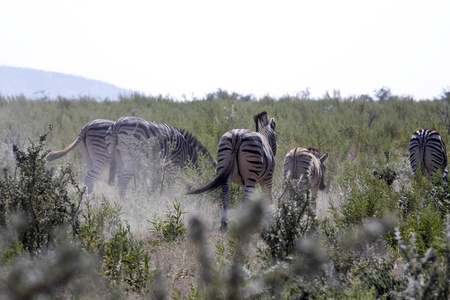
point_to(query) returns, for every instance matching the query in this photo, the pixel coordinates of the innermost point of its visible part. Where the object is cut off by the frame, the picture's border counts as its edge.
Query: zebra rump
(306, 165)
(428, 152)
(223, 176)
(244, 157)
(93, 150)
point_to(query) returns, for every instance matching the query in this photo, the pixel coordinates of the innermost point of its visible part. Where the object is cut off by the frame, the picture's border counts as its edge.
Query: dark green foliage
(423, 211)
(48, 276)
(172, 228)
(126, 259)
(387, 174)
(228, 277)
(350, 251)
(98, 221)
(35, 201)
(39, 210)
(293, 218)
(377, 273)
(428, 274)
(371, 199)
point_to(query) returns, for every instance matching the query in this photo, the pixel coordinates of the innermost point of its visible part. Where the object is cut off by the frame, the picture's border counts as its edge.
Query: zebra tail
(57, 154)
(218, 182)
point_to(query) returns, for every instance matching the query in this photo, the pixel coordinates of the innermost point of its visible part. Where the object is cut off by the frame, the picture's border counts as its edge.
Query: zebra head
(324, 169)
(322, 166)
(267, 128)
(194, 148)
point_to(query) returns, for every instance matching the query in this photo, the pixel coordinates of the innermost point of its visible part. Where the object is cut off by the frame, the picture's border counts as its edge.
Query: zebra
(427, 152)
(247, 158)
(178, 147)
(93, 150)
(306, 165)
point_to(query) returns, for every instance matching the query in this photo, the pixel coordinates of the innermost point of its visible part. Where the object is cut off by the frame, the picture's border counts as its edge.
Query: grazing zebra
(177, 146)
(93, 150)
(245, 157)
(427, 152)
(306, 165)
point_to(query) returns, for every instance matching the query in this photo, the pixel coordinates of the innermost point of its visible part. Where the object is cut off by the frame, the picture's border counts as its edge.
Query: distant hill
(37, 84)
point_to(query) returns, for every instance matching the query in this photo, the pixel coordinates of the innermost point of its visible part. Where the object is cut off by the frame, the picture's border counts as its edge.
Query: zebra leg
(125, 172)
(124, 180)
(248, 190)
(99, 163)
(94, 173)
(89, 182)
(226, 195)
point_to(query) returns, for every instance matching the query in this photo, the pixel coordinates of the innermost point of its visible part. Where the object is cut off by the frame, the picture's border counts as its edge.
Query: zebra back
(175, 146)
(428, 152)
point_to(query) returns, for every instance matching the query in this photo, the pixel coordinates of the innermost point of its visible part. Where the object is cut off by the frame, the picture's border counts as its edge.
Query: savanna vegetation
(378, 232)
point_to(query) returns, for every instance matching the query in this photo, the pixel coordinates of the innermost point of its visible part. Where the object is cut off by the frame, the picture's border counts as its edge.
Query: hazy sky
(274, 48)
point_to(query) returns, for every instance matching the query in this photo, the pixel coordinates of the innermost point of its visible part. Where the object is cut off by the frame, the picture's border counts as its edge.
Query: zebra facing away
(245, 157)
(178, 147)
(428, 153)
(306, 165)
(93, 150)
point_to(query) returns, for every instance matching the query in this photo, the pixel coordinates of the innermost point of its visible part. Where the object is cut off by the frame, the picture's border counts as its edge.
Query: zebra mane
(195, 143)
(261, 120)
(314, 151)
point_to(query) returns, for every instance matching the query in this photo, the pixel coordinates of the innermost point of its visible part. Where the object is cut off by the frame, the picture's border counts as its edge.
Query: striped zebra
(247, 158)
(178, 147)
(428, 153)
(306, 165)
(93, 150)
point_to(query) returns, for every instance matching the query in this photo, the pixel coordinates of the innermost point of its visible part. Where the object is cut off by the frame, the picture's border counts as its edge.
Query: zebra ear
(261, 120)
(272, 123)
(324, 158)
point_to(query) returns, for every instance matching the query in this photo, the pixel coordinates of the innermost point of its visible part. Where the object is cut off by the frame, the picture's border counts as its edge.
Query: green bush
(98, 222)
(341, 255)
(39, 211)
(293, 218)
(35, 201)
(127, 260)
(172, 227)
(370, 198)
(427, 274)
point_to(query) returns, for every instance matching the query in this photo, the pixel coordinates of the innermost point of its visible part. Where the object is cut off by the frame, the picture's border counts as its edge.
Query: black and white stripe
(306, 165)
(178, 147)
(93, 150)
(428, 152)
(247, 158)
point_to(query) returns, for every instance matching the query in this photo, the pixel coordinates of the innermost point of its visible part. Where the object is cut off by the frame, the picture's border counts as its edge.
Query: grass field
(368, 239)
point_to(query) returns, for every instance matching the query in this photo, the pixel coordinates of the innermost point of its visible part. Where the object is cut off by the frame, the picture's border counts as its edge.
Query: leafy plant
(428, 275)
(127, 260)
(293, 218)
(35, 201)
(97, 222)
(172, 227)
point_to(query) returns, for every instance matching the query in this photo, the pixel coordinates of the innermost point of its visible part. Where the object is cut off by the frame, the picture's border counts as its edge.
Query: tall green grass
(379, 233)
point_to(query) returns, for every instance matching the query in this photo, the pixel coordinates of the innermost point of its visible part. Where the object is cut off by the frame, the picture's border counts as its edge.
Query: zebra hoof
(224, 227)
